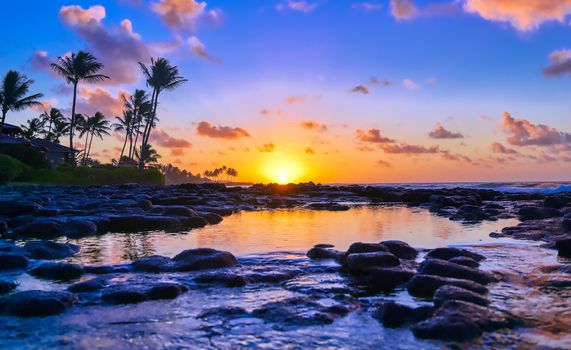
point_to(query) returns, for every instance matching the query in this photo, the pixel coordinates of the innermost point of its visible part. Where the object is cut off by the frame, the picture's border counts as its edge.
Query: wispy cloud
(313, 125)
(522, 132)
(440, 132)
(297, 5)
(204, 128)
(372, 136)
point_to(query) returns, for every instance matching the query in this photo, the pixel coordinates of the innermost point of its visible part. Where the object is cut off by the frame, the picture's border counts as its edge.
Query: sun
(282, 170)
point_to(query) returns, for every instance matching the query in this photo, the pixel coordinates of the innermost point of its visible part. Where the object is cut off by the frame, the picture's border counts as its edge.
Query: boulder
(7, 286)
(12, 261)
(449, 253)
(450, 292)
(401, 249)
(92, 285)
(124, 294)
(317, 253)
(203, 258)
(140, 223)
(15, 208)
(57, 271)
(40, 228)
(393, 315)
(471, 213)
(464, 260)
(212, 218)
(36, 303)
(79, 228)
(154, 263)
(48, 250)
(445, 268)
(223, 278)
(166, 290)
(357, 262)
(563, 247)
(383, 278)
(425, 286)
(328, 206)
(534, 213)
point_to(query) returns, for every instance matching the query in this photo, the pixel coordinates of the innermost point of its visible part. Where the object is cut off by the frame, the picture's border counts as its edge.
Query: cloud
(204, 128)
(313, 125)
(403, 9)
(405, 148)
(267, 148)
(177, 152)
(299, 6)
(372, 136)
(376, 81)
(269, 112)
(367, 6)
(199, 50)
(524, 15)
(100, 100)
(309, 151)
(365, 149)
(410, 84)
(163, 139)
(185, 15)
(499, 148)
(40, 61)
(46, 105)
(407, 9)
(455, 157)
(299, 99)
(360, 89)
(524, 133)
(440, 132)
(384, 164)
(118, 48)
(560, 63)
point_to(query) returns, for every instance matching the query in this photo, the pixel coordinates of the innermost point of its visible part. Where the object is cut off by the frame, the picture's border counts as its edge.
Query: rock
(471, 213)
(48, 250)
(360, 247)
(563, 247)
(328, 206)
(106, 269)
(401, 249)
(124, 294)
(425, 286)
(36, 303)
(6, 286)
(566, 225)
(203, 258)
(534, 213)
(140, 223)
(556, 201)
(317, 253)
(384, 278)
(449, 292)
(358, 262)
(79, 228)
(459, 320)
(154, 263)
(57, 271)
(212, 218)
(15, 208)
(222, 312)
(193, 222)
(92, 285)
(449, 253)
(3, 228)
(269, 277)
(447, 269)
(12, 261)
(40, 228)
(166, 290)
(224, 278)
(174, 210)
(393, 315)
(464, 260)
(324, 245)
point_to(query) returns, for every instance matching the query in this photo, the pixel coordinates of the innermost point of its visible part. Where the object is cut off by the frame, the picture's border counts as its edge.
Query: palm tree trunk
(124, 145)
(138, 129)
(85, 149)
(4, 112)
(72, 123)
(89, 149)
(49, 131)
(148, 128)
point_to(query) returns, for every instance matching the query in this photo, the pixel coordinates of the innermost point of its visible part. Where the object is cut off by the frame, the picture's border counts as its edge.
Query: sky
(331, 91)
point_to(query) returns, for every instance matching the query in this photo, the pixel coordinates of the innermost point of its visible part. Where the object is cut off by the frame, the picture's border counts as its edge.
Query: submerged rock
(166, 290)
(450, 292)
(324, 252)
(426, 285)
(88, 286)
(534, 213)
(448, 269)
(401, 249)
(448, 253)
(12, 261)
(358, 262)
(49, 250)
(154, 263)
(225, 278)
(393, 315)
(464, 260)
(203, 258)
(383, 278)
(124, 294)
(36, 303)
(563, 247)
(6, 286)
(57, 271)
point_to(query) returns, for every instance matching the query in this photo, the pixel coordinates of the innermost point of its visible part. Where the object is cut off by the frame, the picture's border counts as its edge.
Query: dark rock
(6, 286)
(323, 253)
(3, 228)
(556, 201)
(166, 290)
(383, 278)
(11, 261)
(324, 245)
(360, 247)
(15, 208)
(563, 247)
(203, 258)
(393, 315)
(566, 225)
(193, 222)
(154, 263)
(49, 250)
(534, 213)
(140, 223)
(426, 285)
(106, 269)
(269, 277)
(20, 220)
(212, 218)
(36, 303)
(224, 278)
(223, 312)
(445, 268)
(464, 260)
(401, 249)
(124, 294)
(57, 271)
(40, 228)
(79, 228)
(471, 213)
(358, 262)
(449, 253)
(88, 286)
(328, 206)
(449, 292)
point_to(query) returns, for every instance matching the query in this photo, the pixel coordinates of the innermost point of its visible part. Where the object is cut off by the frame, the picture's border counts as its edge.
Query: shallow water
(275, 241)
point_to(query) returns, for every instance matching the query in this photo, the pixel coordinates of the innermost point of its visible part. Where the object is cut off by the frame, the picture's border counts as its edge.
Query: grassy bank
(85, 176)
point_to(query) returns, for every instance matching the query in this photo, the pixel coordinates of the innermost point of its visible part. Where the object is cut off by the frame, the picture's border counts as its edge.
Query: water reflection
(292, 230)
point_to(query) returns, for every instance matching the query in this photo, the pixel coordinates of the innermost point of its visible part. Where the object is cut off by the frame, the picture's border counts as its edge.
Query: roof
(51, 147)
(8, 140)
(12, 128)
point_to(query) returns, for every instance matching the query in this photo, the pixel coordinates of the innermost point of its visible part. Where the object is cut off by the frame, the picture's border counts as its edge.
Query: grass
(84, 176)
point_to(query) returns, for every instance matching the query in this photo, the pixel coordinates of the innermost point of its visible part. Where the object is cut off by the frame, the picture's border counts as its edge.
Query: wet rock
(471, 213)
(154, 263)
(15, 208)
(166, 290)
(449, 292)
(566, 225)
(449, 253)
(48, 250)
(426, 285)
(401, 249)
(106, 269)
(393, 315)
(358, 262)
(223, 312)
(317, 253)
(445, 268)
(36, 303)
(324, 245)
(3, 228)
(223, 278)
(328, 206)
(212, 218)
(556, 201)
(124, 294)
(459, 320)
(464, 260)
(20, 220)
(12, 261)
(203, 258)
(6, 286)
(383, 278)
(563, 247)
(79, 228)
(174, 210)
(269, 277)
(57, 271)
(534, 213)
(193, 222)
(92, 285)
(140, 223)
(360, 247)
(39, 228)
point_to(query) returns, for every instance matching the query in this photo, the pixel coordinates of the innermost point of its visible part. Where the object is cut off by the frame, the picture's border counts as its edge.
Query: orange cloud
(524, 15)
(163, 139)
(101, 100)
(524, 133)
(199, 50)
(309, 151)
(405, 148)
(403, 9)
(384, 164)
(440, 132)
(313, 125)
(499, 148)
(184, 15)
(204, 128)
(267, 148)
(560, 63)
(372, 136)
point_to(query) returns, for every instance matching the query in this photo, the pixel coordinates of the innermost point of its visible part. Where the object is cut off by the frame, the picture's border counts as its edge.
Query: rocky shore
(452, 289)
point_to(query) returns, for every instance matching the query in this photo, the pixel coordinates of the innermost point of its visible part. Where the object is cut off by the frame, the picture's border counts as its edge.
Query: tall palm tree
(76, 67)
(140, 104)
(60, 129)
(52, 118)
(33, 129)
(97, 125)
(126, 124)
(15, 87)
(147, 155)
(161, 76)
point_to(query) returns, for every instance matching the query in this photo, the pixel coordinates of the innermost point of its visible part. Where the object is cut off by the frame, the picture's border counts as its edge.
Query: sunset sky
(332, 91)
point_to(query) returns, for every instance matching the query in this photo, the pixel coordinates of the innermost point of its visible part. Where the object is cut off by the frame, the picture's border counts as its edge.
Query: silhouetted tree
(15, 87)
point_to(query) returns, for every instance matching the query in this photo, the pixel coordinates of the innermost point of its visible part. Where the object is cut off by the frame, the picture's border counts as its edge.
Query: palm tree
(15, 87)
(160, 75)
(33, 129)
(147, 155)
(97, 125)
(60, 128)
(125, 124)
(76, 67)
(52, 118)
(140, 104)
